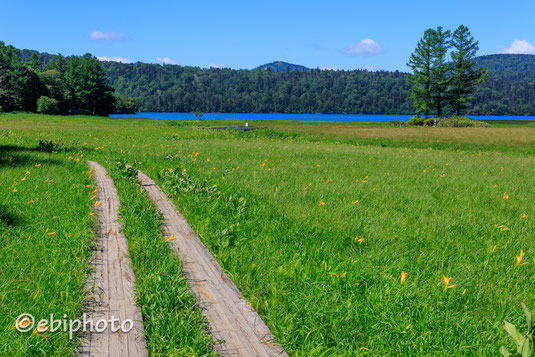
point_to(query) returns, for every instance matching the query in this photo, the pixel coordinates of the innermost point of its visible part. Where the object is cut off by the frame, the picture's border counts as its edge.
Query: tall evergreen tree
(421, 62)
(465, 77)
(440, 69)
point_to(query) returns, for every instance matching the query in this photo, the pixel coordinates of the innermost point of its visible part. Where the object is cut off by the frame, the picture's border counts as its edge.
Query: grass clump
(447, 122)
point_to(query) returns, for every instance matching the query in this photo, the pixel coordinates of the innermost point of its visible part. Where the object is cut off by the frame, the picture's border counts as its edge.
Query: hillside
(186, 89)
(282, 66)
(507, 63)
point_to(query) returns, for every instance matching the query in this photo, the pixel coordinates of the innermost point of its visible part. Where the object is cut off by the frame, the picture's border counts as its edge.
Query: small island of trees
(439, 85)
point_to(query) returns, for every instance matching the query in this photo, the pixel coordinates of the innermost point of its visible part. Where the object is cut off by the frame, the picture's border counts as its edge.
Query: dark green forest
(172, 88)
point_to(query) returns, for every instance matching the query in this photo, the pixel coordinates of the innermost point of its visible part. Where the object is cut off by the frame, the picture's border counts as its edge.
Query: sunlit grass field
(316, 229)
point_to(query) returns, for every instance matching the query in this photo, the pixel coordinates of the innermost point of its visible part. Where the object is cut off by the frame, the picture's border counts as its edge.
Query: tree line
(73, 85)
(172, 88)
(439, 83)
(509, 91)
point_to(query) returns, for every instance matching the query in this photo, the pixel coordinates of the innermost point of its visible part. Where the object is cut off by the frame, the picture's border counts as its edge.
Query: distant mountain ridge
(175, 88)
(496, 63)
(506, 63)
(281, 66)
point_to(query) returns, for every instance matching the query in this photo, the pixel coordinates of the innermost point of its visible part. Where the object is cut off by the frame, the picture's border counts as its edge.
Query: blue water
(275, 116)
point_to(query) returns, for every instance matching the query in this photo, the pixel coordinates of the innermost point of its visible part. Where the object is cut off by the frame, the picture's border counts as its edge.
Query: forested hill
(510, 90)
(506, 63)
(282, 66)
(187, 89)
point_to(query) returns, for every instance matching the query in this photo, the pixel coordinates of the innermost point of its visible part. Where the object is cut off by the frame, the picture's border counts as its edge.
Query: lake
(281, 116)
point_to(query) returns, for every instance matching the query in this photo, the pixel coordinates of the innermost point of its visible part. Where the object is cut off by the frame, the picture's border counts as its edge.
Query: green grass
(429, 208)
(45, 239)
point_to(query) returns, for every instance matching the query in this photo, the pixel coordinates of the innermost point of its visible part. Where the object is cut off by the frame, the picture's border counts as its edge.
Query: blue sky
(244, 34)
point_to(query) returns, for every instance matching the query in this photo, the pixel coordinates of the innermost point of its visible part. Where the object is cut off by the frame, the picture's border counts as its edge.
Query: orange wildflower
(403, 277)
(520, 258)
(321, 203)
(505, 196)
(523, 216)
(37, 165)
(447, 281)
(355, 202)
(98, 203)
(171, 238)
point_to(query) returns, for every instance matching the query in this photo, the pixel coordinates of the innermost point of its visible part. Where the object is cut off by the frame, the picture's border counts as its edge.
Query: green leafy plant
(524, 343)
(48, 146)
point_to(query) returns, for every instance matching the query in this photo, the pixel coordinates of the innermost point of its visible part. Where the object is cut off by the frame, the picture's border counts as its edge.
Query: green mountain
(507, 63)
(282, 66)
(173, 88)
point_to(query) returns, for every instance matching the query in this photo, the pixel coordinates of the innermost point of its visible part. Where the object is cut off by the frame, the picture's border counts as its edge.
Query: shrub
(416, 120)
(398, 123)
(448, 122)
(461, 122)
(46, 105)
(47, 146)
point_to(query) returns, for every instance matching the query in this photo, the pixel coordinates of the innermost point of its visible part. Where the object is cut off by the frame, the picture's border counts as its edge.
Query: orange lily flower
(98, 203)
(355, 202)
(520, 258)
(403, 277)
(523, 216)
(171, 238)
(505, 196)
(321, 203)
(447, 281)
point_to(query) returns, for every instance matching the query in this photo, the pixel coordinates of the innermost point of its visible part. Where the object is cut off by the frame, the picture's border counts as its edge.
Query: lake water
(318, 117)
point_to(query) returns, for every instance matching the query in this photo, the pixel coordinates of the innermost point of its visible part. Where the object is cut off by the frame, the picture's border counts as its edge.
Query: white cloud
(366, 47)
(521, 47)
(166, 60)
(113, 59)
(107, 36)
(214, 65)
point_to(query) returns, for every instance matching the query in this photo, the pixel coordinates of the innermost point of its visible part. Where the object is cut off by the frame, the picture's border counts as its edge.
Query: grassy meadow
(316, 223)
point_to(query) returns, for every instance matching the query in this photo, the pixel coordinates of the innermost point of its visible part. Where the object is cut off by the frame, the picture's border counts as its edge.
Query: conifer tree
(440, 69)
(421, 62)
(465, 77)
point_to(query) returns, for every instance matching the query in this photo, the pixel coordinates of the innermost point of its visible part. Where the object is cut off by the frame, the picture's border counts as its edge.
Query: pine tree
(465, 77)
(421, 62)
(440, 68)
